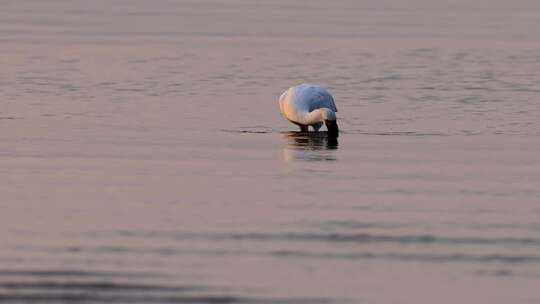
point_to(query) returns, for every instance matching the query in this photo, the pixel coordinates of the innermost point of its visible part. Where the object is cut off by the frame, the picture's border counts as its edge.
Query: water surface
(144, 159)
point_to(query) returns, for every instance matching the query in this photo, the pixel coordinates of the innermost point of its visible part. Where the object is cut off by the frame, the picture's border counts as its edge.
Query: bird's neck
(311, 118)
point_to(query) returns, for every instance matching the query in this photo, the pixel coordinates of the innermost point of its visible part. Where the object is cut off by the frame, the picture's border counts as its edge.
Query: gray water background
(143, 157)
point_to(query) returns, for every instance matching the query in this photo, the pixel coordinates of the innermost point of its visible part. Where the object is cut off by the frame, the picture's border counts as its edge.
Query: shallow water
(144, 159)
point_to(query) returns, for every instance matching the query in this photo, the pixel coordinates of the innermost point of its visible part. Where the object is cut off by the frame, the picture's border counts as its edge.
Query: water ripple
(358, 238)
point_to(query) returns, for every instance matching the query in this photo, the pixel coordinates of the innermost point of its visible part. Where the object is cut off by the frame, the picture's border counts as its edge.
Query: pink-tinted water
(143, 157)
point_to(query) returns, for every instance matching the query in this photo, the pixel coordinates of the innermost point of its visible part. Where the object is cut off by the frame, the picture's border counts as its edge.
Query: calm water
(143, 157)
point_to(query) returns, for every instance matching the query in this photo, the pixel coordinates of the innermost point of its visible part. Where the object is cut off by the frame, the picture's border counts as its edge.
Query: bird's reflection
(309, 146)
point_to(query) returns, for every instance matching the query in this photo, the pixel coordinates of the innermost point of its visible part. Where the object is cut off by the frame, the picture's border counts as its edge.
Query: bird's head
(328, 114)
(330, 120)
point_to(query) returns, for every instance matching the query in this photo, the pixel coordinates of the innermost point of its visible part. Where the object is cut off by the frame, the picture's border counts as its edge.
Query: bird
(309, 105)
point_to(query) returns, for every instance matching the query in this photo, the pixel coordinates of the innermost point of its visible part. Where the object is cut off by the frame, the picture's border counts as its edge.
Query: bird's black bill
(333, 130)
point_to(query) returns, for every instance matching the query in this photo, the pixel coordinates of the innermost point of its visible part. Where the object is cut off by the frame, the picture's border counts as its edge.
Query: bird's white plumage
(297, 102)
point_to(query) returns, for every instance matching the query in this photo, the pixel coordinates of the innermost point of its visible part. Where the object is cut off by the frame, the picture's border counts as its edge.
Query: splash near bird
(309, 105)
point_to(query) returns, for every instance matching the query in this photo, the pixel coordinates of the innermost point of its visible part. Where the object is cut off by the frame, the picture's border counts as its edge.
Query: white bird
(309, 105)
